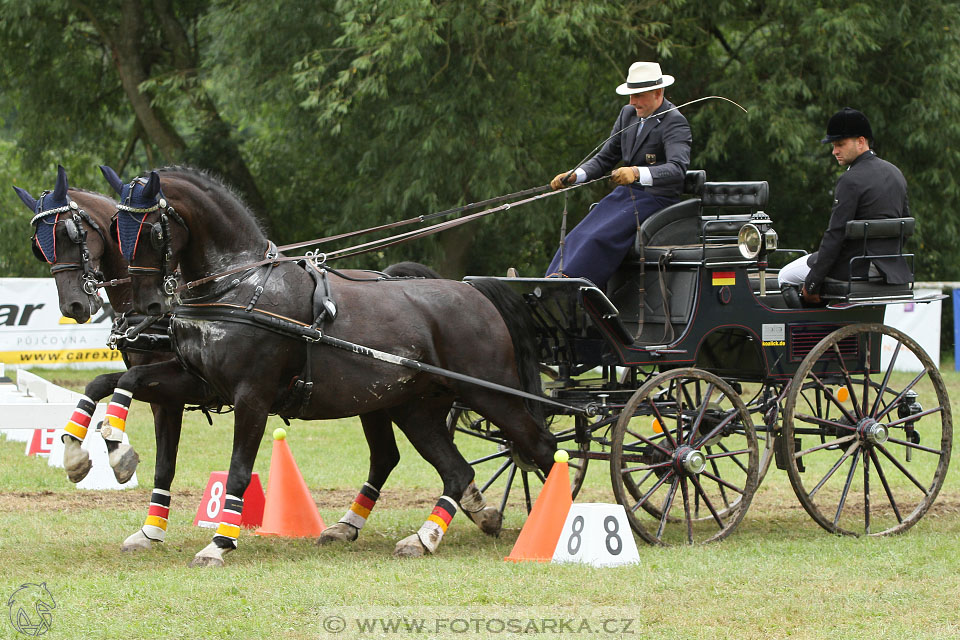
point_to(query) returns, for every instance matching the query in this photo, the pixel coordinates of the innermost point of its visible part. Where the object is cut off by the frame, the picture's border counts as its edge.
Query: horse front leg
(76, 460)
(167, 422)
(384, 457)
(250, 418)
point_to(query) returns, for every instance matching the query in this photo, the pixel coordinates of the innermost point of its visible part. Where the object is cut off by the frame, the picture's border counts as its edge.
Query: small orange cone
(290, 511)
(541, 532)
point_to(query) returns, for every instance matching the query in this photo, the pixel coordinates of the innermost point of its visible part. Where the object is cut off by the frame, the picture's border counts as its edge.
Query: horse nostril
(75, 310)
(154, 309)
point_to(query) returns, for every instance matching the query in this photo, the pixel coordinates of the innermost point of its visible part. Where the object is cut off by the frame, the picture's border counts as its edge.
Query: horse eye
(156, 236)
(72, 231)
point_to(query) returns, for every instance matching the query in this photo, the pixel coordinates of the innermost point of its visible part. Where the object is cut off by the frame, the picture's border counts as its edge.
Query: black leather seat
(866, 287)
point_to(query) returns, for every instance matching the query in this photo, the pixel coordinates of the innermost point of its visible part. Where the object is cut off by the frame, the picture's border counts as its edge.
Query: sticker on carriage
(773, 335)
(724, 278)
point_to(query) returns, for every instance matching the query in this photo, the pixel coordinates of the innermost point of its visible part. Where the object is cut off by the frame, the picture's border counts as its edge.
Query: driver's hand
(560, 182)
(625, 175)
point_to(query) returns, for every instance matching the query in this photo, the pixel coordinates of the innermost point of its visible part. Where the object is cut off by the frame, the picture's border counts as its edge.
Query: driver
(870, 188)
(653, 143)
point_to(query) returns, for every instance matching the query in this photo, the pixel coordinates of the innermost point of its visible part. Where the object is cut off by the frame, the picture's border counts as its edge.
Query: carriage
(693, 372)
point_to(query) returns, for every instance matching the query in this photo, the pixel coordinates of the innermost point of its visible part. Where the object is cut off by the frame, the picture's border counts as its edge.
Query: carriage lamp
(755, 240)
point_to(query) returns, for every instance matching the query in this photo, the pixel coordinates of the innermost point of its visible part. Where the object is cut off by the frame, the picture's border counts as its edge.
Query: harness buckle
(169, 285)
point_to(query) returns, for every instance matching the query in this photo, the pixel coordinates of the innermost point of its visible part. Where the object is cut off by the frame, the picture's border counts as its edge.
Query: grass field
(778, 575)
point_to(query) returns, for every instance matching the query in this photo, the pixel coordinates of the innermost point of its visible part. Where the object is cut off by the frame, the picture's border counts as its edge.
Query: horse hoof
(339, 532)
(138, 542)
(76, 461)
(124, 461)
(489, 519)
(210, 556)
(205, 561)
(410, 547)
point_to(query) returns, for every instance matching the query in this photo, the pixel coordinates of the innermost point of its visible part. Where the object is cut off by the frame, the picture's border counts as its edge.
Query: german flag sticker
(724, 278)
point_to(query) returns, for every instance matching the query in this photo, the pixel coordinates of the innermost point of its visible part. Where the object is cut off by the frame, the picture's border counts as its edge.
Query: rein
(392, 240)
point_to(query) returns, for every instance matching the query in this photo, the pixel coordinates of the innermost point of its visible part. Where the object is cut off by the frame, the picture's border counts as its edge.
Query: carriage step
(780, 453)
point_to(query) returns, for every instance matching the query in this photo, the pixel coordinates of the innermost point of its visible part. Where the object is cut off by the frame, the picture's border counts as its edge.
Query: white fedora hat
(644, 76)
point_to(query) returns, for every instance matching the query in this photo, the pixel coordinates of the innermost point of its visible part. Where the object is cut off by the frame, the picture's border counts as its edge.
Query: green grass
(778, 575)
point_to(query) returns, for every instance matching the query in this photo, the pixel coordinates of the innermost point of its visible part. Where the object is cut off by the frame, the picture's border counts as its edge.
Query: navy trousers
(597, 246)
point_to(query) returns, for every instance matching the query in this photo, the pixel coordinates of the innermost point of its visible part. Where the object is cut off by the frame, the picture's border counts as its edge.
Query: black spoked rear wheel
(867, 452)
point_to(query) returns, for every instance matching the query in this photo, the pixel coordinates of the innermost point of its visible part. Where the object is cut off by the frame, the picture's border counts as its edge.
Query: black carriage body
(685, 297)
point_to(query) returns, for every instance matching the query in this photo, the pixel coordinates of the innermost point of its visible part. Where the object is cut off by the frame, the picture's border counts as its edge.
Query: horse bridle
(78, 235)
(159, 239)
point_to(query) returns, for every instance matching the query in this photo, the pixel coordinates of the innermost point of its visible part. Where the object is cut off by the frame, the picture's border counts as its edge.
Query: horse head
(72, 242)
(148, 241)
(179, 222)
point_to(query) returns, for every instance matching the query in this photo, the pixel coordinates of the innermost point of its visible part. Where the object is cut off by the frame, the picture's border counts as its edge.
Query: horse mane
(209, 181)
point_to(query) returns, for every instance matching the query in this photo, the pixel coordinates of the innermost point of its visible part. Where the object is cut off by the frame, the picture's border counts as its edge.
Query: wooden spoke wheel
(867, 450)
(684, 460)
(503, 475)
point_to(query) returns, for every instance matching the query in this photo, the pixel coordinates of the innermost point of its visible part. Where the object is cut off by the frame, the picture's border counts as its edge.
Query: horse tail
(412, 270)
(516, 314)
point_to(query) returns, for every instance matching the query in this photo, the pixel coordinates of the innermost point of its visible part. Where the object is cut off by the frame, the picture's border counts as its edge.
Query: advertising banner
(34, 333)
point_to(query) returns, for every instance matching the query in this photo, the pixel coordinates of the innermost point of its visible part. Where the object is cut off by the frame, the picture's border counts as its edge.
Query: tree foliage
(336, 115)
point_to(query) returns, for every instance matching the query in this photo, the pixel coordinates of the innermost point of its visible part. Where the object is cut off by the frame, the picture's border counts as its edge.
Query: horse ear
(112, 178)
(60, 191)
(27, 198)
(153, 186)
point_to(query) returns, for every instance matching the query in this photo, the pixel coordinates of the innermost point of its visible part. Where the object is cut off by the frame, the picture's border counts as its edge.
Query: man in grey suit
(652, 139)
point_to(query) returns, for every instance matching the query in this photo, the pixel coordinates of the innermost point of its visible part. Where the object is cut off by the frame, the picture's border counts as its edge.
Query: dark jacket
(664, 148)
(870, 189)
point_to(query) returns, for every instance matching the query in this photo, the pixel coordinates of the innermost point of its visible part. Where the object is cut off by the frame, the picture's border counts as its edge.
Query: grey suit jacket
(663, 147)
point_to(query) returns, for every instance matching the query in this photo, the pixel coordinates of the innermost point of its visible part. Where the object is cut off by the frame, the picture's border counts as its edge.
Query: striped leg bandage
(80, 420)
(363, 504)
(115, 422)
(229, 527)
(155, 526)
(436, 525)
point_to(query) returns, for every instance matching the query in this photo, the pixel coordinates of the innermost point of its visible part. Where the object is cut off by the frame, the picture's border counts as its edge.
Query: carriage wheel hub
(690, 460)
(872, 431)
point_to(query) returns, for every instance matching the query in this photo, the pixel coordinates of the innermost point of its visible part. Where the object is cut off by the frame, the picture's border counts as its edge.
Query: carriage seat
(693, 230)
(862, 287)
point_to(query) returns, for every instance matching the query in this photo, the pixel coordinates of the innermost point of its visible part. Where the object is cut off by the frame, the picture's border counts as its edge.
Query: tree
(74, 68)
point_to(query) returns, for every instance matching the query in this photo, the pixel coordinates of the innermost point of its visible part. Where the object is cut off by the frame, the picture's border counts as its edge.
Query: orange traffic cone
(290, 511)
(543, 527)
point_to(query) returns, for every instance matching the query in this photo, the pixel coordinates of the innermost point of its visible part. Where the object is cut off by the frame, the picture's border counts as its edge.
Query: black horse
(71, 234)
(251, 333)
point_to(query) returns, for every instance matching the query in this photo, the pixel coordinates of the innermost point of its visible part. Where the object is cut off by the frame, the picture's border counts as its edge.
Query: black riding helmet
(848, 123)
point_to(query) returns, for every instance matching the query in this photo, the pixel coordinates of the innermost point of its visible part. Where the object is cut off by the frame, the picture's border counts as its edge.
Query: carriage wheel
(867, 452)
(684, 459)
(502, 474)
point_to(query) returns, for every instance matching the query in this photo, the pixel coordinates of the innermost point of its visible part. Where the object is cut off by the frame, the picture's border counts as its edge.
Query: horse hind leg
(384, 457)
(425, 427)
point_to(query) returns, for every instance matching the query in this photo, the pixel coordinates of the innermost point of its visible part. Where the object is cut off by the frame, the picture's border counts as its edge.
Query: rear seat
(876, 287)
